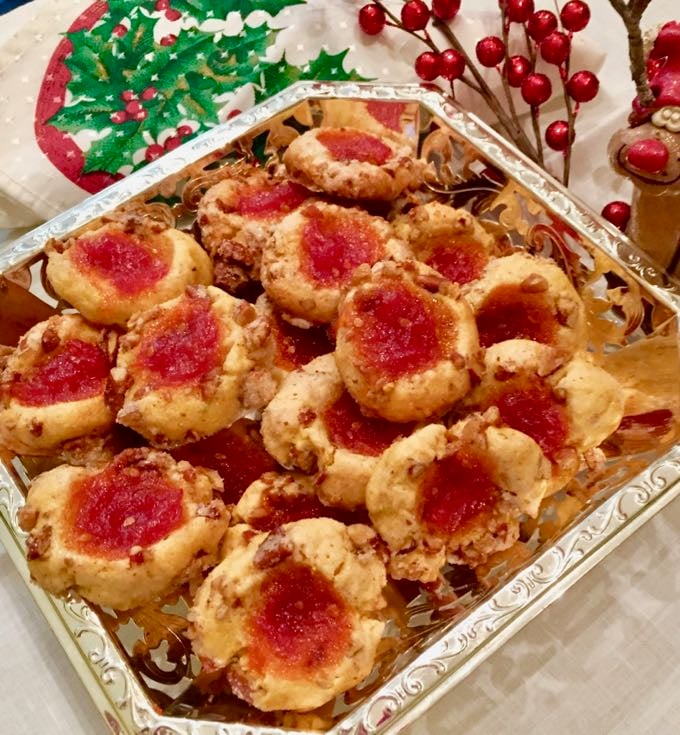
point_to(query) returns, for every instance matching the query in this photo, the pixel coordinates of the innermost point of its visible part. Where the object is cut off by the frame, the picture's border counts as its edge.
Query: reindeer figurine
(648, 153)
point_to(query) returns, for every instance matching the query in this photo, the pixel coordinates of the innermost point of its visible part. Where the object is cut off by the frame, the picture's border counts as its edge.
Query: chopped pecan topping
(28, 517)
(39, 544)
(534, 283)
(273, 550)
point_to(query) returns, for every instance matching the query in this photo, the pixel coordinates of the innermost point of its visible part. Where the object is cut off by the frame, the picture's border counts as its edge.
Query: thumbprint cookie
(569, 410)
(184, 364)
(237, 216)
(56, 387)
(406, 341)
(291, 617)
(112, 272)
(521, 296)
(353, 164)
(313, 423)
(452, 241)
(123, 534)
(454, 495)
(310, 259)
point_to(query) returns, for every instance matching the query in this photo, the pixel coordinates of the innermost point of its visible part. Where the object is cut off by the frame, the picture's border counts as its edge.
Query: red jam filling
(126, 263)
(397, 332)
(459, 262)
(333, 246)
(272, 200)
(349, 429)
(535, 412)
(353, 145)
(76, 371)
(387, 113)
(183, 344)
(123, 507)
(235, 454)
(279, 509)
(301, 623)
(296, 347)
(510, 313)
(456, 490)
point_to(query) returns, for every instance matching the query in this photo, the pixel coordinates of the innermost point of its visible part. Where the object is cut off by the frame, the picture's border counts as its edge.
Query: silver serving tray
(482, 170)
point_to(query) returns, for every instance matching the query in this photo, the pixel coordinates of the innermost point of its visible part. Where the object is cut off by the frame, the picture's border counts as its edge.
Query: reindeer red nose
(649, 155)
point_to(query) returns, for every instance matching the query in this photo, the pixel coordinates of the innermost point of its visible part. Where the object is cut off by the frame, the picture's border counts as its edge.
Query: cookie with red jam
(237, 216)
(184, 365)
(406, 342)
(110, 273)
(126, 533)
(452, 241)
(314, 424)
(310, 259)
(521, 296)
(281, 497)
(56, 389)
(354, 164)
(454, 495)
(567, 408)
(290, 618)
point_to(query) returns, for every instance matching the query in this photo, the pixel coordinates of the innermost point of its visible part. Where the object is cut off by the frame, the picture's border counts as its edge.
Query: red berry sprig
(548, 40)
(618, 213)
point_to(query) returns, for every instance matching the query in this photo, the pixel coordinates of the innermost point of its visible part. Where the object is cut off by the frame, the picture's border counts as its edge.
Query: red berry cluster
(548, 36)
(170, 13)
(134, 109)
(155, 150)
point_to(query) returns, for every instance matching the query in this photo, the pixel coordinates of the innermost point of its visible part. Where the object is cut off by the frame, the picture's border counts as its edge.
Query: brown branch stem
(631, 13)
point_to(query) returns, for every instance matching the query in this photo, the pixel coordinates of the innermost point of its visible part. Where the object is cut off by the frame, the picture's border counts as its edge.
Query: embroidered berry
(153, 152)
(172, 142)
(184, 130)
(149, 93)
(118, 117)
(128, 95)
(168, 40)
(120, 30)
(173, 14)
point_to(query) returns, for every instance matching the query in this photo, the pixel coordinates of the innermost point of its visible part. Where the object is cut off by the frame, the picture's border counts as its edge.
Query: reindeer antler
(631, 13)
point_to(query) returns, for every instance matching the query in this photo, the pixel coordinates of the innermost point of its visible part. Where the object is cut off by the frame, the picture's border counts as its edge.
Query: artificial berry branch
(631, 14)
(548, 40)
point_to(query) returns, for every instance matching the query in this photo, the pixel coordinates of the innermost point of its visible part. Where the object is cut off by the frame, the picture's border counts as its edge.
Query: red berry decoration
(149, 93)
(133, 107)
(168, 40)
(128, 95)
(541, 24)
(555, 48)
(153, 152)
(536, 89)
(519, 11)
(371, 19)
(583, 86)
(415, 15)
(490, 51)
(428, 66)
(649, 155)
(575, 15)
(174, 141)
(452, 64)
(172, 14)
(445, 9)
(618, 213)
(516, 68)
(184, 130)
(118, 117)
(162, 4)
(557, 135)
(120, 30)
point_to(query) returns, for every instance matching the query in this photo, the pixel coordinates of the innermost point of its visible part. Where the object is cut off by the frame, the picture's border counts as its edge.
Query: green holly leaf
(221, 8)
(327, 67)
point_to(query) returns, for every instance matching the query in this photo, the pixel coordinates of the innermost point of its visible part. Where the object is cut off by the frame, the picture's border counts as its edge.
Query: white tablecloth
(603, 659)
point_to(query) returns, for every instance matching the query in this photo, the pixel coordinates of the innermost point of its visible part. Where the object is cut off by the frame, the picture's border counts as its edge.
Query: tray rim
(484, 629)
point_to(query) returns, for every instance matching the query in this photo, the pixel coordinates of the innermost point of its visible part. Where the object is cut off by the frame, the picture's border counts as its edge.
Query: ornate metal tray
(138, 667)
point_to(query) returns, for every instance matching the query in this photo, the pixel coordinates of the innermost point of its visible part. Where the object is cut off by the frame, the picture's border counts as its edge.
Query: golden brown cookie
(566, 408)
(123, 534)
(454, 495)
(521, 296)
(281, 497)
(354, 164)
(313, 423)
(310, 259)
(452, 241)
(291, 617)
(55, 388)
(405, 342)
(237, 216)
(184, 364)
(110, 273)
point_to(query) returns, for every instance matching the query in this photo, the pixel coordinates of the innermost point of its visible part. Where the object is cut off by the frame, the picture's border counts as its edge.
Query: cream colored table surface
(604, 659)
